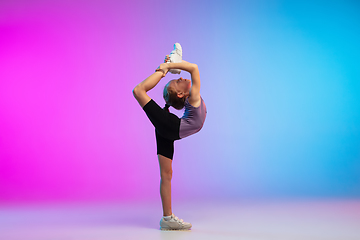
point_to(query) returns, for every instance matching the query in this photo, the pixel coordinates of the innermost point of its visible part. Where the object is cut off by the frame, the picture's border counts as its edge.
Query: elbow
(137, 91)
(194, 68)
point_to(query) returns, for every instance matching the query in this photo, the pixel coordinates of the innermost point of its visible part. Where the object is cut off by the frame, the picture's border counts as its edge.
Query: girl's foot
(174, 223)
(176, 57)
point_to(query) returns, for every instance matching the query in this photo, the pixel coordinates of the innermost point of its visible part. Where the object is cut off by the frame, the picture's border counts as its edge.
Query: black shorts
(167, 126)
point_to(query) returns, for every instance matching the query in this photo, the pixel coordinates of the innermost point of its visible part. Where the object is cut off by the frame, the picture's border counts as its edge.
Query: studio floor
(248, 220)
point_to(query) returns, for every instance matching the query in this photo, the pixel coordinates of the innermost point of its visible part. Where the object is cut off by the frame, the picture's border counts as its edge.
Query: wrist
(162, 71)
(165, 66)
(169, 65)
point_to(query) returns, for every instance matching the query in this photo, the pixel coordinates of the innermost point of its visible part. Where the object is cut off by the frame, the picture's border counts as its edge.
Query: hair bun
(166, 107)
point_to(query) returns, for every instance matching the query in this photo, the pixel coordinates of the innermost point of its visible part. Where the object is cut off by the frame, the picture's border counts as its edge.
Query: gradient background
(281, 81)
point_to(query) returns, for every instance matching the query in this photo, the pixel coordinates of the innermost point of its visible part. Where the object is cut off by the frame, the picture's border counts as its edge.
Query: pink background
(280, 82)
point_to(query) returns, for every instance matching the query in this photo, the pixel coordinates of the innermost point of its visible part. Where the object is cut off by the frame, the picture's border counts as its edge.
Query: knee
(166, 175)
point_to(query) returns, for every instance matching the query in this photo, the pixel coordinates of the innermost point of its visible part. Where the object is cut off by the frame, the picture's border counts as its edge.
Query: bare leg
(165, 183)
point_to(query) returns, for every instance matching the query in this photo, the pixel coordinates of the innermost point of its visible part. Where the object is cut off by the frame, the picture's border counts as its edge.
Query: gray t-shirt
(193, 119)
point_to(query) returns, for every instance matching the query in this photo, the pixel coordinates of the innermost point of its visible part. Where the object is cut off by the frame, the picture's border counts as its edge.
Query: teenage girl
(179, 93)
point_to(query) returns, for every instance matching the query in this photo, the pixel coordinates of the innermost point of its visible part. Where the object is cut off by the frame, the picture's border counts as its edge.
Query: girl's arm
(146, 85)
(192, 68)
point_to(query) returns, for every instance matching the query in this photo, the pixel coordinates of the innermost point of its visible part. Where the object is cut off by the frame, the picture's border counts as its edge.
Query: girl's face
(181, 85)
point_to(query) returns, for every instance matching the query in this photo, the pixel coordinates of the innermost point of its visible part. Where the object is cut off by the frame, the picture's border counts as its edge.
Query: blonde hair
(171, 98)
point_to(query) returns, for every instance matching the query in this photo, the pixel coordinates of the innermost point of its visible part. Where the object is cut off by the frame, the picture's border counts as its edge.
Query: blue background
(281, 81)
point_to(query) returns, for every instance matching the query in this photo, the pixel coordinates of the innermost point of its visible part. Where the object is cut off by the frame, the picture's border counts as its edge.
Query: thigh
(164, 146)
(167, 124)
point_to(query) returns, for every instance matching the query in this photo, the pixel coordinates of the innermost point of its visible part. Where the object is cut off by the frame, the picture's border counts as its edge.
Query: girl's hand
(167, 59)
(164, 67)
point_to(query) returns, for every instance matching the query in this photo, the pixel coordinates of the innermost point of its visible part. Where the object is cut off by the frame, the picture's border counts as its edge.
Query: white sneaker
(174, 223)
(176, 57)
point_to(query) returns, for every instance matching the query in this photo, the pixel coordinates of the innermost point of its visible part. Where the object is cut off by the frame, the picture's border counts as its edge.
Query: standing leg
(167, 127)
(165, 183)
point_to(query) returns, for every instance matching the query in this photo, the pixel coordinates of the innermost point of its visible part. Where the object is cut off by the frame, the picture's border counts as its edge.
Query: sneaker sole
(169, 229)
